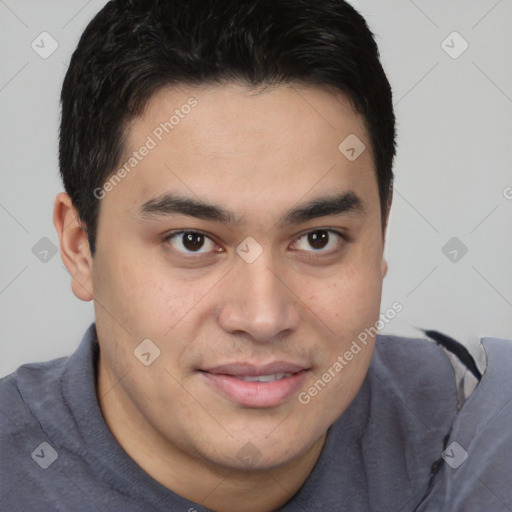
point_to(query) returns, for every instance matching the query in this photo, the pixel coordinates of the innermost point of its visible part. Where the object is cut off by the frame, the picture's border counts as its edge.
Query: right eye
(191, 242)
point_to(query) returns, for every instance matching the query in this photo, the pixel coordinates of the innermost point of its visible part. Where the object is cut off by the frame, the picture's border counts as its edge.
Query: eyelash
(193, 254)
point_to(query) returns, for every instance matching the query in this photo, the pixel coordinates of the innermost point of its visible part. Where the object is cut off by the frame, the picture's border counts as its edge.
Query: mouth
(254, 386)
(265, 378)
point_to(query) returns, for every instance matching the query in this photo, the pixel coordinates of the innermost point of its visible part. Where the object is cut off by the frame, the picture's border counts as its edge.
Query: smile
(266, 378)
(257, 387)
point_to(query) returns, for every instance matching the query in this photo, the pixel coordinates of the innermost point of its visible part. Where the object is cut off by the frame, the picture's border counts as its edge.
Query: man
(228, 176)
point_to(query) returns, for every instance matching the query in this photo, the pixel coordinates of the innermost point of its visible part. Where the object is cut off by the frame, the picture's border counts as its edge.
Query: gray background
(453, 171)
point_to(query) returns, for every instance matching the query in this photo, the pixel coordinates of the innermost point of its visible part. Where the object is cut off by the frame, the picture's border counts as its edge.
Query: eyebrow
(169, 205)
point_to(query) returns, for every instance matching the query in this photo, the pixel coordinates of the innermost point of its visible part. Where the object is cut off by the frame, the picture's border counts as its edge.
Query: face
(248, 249)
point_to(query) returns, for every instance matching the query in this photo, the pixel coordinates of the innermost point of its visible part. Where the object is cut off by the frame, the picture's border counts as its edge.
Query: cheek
(131, 292)
(349, 298)
(347, 306)
(152, 299)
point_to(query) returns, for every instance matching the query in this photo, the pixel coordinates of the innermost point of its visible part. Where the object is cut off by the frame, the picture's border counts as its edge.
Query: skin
(258, 156)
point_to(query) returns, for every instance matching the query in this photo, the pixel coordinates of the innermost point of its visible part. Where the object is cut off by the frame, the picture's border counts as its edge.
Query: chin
(262, 454)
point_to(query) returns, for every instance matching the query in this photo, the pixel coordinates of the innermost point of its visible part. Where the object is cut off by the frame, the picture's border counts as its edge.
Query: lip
(226, 380)
(255, 370)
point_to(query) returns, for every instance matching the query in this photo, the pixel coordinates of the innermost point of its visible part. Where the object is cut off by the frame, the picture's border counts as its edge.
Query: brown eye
(193, 241)
(190, 242)
(319, 240)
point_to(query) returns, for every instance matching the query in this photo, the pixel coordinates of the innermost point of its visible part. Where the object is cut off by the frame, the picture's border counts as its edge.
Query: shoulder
(23, 394)
(439, 365)
(35, 395)
(411, 363)
(499, 350)
(27, 390)
(417, 382)
(413, 386)
(393, 350)
(40, 435)
(477, 456)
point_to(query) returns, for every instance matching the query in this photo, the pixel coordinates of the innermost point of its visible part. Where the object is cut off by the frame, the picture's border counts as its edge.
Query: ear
(384, 267)
(74, 246)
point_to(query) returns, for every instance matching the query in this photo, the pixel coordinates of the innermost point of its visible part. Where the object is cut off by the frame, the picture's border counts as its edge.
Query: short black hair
(134, 48)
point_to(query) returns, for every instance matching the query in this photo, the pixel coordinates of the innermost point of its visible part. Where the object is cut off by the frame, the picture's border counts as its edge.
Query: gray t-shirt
(402, 444)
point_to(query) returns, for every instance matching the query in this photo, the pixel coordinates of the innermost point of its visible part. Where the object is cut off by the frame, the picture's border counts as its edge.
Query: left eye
(191, 242)
(320, 240)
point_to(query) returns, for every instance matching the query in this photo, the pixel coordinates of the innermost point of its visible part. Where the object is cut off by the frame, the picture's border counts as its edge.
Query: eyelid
(175, 232)
(178, 232)
(341, 235)
(336, 230)
(208, 236)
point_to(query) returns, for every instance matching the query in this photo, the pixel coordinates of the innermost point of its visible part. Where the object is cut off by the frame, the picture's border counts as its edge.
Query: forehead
(231, 143)
(292, 111)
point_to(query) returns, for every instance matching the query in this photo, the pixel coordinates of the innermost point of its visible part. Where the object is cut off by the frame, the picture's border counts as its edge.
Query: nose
(258, 302)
